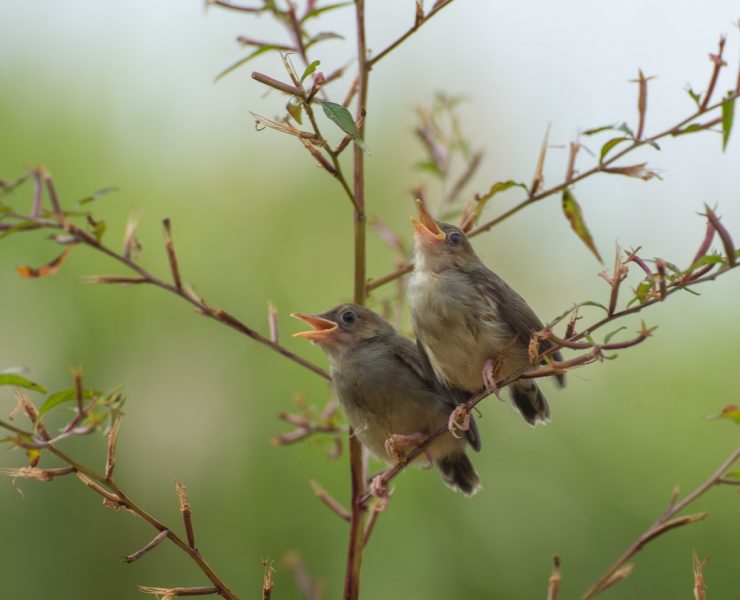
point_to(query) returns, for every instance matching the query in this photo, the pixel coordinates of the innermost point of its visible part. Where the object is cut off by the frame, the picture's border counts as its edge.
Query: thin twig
(553, 585)
(164, 593)
(392, 472)
(664, 523)
(187, 513)
(160, 537)
(172, 257)
(110, 461)
(112, 493)
(404, 269)
(183, 292)
(329, 501)
(400, 40)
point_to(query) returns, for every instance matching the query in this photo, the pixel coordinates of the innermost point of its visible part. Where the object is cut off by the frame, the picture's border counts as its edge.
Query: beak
(322, 328)
(426, 226)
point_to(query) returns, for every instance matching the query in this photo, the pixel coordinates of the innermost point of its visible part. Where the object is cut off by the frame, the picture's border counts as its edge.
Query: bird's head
(342, 328)
(439, 246)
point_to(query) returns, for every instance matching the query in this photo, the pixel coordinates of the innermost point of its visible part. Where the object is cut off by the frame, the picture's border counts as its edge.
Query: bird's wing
(419, 363)
(452, 396)
(512, 309)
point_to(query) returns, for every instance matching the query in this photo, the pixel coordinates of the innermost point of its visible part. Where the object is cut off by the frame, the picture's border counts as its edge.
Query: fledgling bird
(465, 317)
(389, 401)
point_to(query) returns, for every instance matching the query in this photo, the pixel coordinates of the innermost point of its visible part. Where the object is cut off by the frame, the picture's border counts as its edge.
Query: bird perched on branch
(473, 328)
(388, 398)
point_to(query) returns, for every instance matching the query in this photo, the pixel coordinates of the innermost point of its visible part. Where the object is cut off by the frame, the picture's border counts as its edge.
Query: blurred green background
(120, 94)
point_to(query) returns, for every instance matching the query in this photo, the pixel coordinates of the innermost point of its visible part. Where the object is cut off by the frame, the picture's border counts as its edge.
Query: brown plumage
(380, 381)
(465, 315)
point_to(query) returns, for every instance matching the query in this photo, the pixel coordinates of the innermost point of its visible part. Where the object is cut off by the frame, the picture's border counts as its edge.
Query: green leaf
(502, 186)
(246, 59)
(326, 35)
(642, 292)
(317, 11)
(295, 111)
(63, 397)
(573, 213)
(310, 69)
(429, 165)
(22, 226)
(730, 412)
(8, 186)
(611, 144)
(596, 130)
(99, 229)
(609, 336)
(97, 195)
(342, 117)
(626, 129)
(34, 455)
(694, 96)
(18, 381)
(693, 128)
(596, 304)
(728, 113)
(709, 259)
(499, 186)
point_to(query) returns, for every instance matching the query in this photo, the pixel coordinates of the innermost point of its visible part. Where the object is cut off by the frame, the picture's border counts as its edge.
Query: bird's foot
(379, 490)
(490, 372)
(459, 419)
(395, 444)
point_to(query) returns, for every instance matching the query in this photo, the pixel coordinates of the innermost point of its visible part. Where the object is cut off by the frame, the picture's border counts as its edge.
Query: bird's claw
(459, 419)
(379, 490)
(395, 444)
(489, 378)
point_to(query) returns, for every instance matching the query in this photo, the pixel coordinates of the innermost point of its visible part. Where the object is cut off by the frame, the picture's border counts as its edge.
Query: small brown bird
(389, 401)
(466, 317)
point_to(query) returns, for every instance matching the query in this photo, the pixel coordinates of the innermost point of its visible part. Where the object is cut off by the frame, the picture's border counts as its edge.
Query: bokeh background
(123, 94)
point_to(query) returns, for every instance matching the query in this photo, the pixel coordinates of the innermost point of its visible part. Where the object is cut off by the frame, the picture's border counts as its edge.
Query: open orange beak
(322, 328)
(426, 226)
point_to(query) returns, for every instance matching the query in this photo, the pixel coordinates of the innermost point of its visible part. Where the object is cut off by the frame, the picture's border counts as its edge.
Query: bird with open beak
(389, 400)
(471, 326)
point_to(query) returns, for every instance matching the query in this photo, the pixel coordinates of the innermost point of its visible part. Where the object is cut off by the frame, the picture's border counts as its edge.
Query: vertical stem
(359, 513)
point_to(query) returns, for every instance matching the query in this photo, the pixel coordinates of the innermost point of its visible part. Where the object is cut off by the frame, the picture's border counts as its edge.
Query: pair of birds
(465, 317)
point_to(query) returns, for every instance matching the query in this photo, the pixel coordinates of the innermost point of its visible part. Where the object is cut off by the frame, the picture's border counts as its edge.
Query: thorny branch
(606, 165)
(114, 497)
(77, 235)
(660, 285)
(595, 351)
(666, 522)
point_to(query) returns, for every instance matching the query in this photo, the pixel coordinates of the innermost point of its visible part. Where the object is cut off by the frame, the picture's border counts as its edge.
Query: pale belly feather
(459, 336)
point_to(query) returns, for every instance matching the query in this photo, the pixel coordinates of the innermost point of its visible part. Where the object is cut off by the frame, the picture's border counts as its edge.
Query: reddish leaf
(48, 269)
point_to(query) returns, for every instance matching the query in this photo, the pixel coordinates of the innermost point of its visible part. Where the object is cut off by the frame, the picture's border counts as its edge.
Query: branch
(114, 496)
(602, 167)
(358, 510)
(663, 524)
(418, 22)
(553, 368)
(178, 288)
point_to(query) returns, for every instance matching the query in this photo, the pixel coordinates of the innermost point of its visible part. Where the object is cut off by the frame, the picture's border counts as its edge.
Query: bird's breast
(459, 328)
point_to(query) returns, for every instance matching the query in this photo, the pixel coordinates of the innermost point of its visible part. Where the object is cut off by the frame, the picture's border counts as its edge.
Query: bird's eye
(455, 238)
(348, 317)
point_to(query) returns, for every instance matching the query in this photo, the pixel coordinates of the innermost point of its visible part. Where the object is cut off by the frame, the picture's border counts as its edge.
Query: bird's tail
(528, 399)
(459, 473)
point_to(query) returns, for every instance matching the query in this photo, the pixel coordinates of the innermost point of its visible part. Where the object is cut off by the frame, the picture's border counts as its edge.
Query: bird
(471, 327)
(390, 402)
